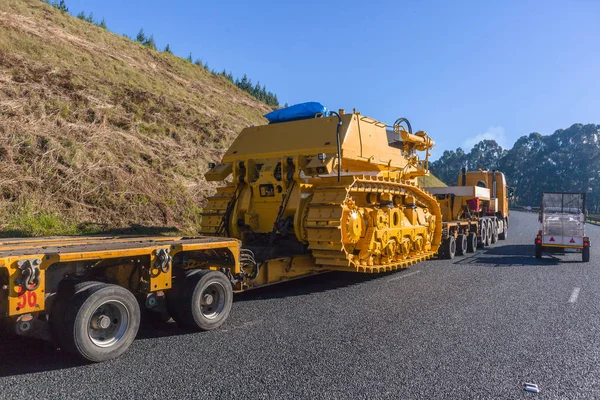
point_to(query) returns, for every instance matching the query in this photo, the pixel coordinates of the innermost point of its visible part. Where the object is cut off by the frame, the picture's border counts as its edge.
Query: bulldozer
(326, 191)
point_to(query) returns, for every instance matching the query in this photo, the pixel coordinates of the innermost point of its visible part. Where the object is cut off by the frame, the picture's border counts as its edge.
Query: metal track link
(325, 230)
(216, 207)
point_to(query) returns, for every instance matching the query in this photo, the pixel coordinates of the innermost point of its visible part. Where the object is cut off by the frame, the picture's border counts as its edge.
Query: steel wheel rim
(212, 300)
(108, 324)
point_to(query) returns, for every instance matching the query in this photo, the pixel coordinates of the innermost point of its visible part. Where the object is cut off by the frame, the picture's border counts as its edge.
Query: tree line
(257, 90)
(567, 160)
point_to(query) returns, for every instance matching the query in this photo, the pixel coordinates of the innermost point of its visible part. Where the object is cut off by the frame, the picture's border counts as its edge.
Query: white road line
(403, 276)
(574, 295)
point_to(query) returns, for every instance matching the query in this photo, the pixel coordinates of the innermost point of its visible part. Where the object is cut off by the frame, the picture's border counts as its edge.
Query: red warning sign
(572, 240)
(552, 239)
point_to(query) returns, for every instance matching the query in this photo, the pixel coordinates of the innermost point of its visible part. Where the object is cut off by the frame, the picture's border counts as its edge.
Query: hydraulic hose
(339, 144)
(401, 120)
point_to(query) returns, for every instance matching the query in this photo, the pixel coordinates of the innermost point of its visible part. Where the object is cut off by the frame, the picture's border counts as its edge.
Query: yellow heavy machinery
(474, 213)
(292, 197)
(326, 192)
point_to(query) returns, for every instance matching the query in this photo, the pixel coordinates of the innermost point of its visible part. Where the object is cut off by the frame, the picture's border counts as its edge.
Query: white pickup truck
(562, 218)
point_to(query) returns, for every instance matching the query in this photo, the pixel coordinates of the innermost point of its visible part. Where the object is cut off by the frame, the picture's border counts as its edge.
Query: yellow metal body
(489, 187)
(294, 202)
(497, 187)
(108, 258)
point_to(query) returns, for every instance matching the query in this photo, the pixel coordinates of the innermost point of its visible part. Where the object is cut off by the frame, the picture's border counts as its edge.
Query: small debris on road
(531, 387)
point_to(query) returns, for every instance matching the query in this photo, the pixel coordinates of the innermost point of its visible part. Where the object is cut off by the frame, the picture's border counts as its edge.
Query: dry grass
(430, 181)
(98, 132)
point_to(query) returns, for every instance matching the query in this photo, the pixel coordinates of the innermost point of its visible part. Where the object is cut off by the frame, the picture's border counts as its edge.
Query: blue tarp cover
(297, 111)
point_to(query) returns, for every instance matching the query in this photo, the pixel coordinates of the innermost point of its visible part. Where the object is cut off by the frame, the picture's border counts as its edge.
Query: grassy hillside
(98, 132)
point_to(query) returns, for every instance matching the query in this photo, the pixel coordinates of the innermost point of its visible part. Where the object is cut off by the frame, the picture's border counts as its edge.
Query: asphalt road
(474, 327)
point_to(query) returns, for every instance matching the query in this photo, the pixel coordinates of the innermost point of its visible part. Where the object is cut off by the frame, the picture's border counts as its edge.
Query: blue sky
(461, 70)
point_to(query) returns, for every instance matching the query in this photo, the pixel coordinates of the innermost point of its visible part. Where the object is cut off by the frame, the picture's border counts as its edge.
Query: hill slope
(99, 130)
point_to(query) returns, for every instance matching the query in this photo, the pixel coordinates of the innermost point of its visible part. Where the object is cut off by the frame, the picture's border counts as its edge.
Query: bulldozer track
(335, 245)
(216, 208)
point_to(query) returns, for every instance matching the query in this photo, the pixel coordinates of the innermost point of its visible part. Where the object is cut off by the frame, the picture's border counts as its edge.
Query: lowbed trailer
(88, 293)
(474, 213)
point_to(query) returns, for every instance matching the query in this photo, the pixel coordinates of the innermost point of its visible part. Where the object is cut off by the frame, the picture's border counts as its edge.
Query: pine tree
(81, 15)
(206, 65)
(61, 5)
(230, 77)
(150, 43)
(141, 37)
(189, 57)
(168, 49)
(102, 24)
(256, 91)
(199, 62)
(90, 18)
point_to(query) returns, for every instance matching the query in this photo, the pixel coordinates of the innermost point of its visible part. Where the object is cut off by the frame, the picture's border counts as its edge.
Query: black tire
(504, 234)
(494, 228)
(449, 246)
(482, 240)
(461, 245)
(99, 322)
(66, 290)
(488, 228)
(538, 251)
(472, 242)
(202, 301)
(585, 254)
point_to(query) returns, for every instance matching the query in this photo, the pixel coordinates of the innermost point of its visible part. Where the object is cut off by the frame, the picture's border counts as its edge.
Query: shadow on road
(310, 285)
(512, 255)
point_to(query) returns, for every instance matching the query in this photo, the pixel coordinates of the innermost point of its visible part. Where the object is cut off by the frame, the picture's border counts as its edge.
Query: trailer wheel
(488, 238)
(203, 301)
(472, 243)
(504, 234)
(585, 254)
(99, 322)
(67, 289)
(449, 246)
(494, 228)
(461, 245)
(483, 229)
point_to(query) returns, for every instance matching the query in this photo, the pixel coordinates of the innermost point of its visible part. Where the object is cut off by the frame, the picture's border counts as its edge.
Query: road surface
(473, 327)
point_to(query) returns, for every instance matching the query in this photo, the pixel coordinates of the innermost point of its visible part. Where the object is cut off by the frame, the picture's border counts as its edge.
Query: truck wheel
(488, 238)
(483, 235)
(472, 242)
(494, 227)
(461, 245)
(504, 234)
(99, 322)
(538, 251)
(203, 301)
(585, 254)
(449, 248)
